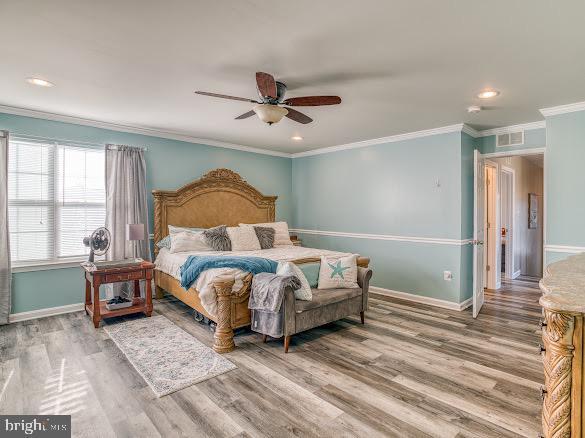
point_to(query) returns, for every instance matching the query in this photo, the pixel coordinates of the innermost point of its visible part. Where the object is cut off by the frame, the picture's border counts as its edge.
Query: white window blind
(56, 196)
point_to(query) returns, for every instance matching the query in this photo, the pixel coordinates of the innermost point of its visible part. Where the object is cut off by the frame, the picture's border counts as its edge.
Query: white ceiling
(400, 66)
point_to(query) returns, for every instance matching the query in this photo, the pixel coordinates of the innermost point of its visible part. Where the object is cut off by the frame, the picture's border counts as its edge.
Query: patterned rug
(167, 357)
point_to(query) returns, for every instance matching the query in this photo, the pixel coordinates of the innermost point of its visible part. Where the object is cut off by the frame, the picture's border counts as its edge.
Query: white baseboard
(465, 304)
(516, 274)
(41, 313)
(422, 299)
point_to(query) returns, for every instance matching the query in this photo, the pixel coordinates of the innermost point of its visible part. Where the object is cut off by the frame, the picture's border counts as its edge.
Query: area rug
(167, 357)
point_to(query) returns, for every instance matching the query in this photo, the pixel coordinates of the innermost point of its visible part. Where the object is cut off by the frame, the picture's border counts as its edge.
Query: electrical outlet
(447, 276)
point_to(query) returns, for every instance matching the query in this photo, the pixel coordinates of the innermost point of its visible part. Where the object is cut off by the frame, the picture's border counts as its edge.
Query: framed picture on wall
(532, 210)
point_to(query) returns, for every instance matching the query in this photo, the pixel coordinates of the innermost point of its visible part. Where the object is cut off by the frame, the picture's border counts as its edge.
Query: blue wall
(565, 182)
(170, 164)
(391, 189)
(387, 189)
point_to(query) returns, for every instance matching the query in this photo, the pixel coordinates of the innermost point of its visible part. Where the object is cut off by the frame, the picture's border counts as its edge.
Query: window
(56, 196)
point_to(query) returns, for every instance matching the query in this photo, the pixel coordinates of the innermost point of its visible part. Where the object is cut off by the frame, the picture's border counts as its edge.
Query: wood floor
(411, 370)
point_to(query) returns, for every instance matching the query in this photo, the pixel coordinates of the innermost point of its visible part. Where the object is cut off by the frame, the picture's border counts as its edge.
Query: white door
(478, 231)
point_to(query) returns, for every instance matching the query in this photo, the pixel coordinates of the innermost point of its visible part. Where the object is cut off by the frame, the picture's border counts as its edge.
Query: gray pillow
(165, 242)
(217, 238)
(265, 236)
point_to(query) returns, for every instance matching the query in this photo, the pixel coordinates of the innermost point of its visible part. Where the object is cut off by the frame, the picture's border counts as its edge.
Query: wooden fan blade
(225, 96)
(266, 84)
(298, 116)
(246, 115)
(313, 101)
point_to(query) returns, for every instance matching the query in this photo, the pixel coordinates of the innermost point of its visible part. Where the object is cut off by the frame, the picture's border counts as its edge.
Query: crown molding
(461, 127)
(391, 139)
(513, 128)
(563, 109)
(470, 131)
(151, 132)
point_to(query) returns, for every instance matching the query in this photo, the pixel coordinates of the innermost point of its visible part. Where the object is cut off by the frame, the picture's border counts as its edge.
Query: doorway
(512, 220)
(508, 181)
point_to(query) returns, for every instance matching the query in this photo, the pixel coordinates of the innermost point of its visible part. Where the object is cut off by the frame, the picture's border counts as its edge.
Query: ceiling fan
(271, 93)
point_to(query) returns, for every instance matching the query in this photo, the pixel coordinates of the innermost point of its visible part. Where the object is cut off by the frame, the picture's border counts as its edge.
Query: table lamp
(135, 232)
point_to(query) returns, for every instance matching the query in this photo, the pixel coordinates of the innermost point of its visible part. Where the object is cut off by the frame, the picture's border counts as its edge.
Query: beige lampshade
(135, 232)
(270, 113)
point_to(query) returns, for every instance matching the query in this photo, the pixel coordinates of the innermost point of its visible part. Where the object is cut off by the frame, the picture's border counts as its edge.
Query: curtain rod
(18, 135)
(116, 146)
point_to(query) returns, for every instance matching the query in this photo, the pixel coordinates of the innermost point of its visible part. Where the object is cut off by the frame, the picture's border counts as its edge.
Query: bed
(220, 197)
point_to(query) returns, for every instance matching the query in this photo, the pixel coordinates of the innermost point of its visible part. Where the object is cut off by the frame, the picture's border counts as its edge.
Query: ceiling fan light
(270, 113)
(488, 93)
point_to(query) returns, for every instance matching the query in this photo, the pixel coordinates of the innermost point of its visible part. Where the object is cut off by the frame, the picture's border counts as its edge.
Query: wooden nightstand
(93, 279)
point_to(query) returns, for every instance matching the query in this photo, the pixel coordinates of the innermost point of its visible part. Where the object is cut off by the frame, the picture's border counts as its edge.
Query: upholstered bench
(327, 305)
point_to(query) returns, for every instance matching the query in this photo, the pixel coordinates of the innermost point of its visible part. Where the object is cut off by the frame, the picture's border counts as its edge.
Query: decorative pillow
(265, 236)
(338, 273)
(311, 271)
(188, 241)
(217, 238)
(165, 242)
(243, 239)
(289, 268)
(281, 235)
(175, 230)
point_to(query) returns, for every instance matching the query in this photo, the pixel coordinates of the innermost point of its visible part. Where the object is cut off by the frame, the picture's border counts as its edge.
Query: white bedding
(170, 263)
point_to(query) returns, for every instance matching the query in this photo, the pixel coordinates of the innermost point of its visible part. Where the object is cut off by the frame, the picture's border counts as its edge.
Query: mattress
(170, 263)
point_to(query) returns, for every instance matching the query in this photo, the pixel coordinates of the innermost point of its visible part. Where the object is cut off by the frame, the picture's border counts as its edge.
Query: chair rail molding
(564, 249)
(433, 240)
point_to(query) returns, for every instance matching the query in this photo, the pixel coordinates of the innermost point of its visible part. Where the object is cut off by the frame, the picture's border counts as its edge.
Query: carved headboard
(220, 197)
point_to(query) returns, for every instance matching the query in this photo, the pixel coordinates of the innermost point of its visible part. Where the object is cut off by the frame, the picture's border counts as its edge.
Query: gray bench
(328, 305)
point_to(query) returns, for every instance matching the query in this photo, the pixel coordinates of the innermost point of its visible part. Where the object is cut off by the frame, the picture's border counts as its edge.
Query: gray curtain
(5, 270)
(125, 204)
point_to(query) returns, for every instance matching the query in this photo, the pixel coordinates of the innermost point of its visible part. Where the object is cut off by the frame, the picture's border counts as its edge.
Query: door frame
(511, 233)
(524, 152)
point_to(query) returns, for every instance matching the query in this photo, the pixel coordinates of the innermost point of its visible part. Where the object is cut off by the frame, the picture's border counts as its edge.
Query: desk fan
(98, 242)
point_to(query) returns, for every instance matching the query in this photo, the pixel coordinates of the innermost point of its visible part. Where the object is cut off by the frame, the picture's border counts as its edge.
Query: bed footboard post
(224, 335)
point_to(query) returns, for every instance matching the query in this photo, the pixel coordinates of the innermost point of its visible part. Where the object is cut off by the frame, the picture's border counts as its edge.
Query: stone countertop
(563, 285)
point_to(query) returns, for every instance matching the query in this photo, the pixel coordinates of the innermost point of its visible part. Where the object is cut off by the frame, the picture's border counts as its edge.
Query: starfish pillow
(338, 273)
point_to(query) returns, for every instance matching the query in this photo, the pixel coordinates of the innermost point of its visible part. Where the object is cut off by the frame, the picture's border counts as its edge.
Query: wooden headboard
(220, 197)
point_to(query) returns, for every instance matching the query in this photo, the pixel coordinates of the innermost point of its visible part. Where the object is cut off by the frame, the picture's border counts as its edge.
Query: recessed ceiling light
(296, 138)
(40, 82)
(488, 94)
(473, 109)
